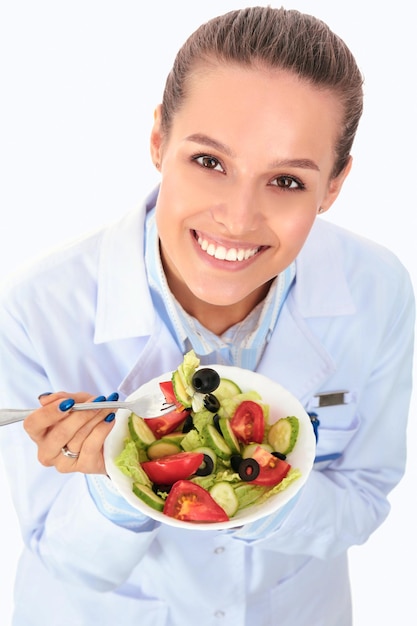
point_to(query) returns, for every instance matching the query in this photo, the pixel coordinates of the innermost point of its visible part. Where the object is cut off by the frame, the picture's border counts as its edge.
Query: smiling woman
(227, 255)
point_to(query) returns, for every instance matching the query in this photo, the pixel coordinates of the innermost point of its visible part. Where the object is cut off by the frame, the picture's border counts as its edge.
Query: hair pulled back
(278, 39)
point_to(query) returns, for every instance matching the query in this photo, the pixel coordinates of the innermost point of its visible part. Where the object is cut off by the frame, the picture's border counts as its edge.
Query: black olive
(211, 403)
(205, 380)
(161, 488)
(206, 467)
(188, 424)
(248, 469)
(279, 455)
(216, 423)
(235, 461)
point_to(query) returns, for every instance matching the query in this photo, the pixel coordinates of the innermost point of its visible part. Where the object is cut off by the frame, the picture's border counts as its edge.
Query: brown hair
(281, 39)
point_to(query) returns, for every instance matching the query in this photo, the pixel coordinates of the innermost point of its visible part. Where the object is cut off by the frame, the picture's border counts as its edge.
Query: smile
(224, 253)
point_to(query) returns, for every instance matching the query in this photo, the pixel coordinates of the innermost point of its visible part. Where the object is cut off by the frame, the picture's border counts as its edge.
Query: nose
(238, 211)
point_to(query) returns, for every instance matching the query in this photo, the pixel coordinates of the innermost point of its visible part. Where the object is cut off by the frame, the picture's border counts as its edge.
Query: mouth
(224, 252)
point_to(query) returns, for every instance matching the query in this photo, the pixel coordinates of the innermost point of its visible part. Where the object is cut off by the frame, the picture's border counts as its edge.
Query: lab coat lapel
(295, 358)
(161, 354)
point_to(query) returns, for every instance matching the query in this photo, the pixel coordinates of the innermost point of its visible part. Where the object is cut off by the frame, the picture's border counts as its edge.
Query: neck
(215, 318)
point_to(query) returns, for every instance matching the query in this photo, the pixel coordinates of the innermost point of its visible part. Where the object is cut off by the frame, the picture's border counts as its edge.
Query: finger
(47, 415)
(90, 458)
(76, 442)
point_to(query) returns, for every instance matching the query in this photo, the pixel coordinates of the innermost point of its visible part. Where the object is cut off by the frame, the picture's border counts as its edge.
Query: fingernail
(46, 393)
(99, 399)
(110, 417)
(113, 396)
(66, 404)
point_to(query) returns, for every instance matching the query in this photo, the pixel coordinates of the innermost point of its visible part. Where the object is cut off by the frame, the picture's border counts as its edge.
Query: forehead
(272, 105)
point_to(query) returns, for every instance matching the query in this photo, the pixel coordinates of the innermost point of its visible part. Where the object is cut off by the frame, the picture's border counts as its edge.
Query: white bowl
(281, 402)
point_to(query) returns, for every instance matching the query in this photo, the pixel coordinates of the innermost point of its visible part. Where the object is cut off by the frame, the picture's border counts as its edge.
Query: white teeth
(231, 254)
(220, 253)
(224, 254)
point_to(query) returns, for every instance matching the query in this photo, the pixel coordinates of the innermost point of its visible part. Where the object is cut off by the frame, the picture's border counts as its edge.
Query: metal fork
(149, 405)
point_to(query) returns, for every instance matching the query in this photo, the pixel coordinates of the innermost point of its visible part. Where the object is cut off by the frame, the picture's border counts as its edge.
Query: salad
(213, 454)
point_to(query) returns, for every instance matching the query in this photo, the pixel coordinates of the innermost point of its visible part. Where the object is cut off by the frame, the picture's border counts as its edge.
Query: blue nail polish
(46, 393)
(66, 404)
(113, 396)
(110, 417)
(99, 399)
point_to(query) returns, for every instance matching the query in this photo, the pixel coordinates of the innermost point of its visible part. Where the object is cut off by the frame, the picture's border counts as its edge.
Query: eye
(209, 162)
(288, 182)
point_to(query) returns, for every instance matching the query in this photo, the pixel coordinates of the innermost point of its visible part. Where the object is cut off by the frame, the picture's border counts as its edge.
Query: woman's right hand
(56, 429)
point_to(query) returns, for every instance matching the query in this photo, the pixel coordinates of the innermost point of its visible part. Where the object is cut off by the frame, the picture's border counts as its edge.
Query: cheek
(293, 231)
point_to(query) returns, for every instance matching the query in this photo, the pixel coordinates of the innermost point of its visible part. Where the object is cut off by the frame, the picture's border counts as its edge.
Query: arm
(343, 502)
(60, 522)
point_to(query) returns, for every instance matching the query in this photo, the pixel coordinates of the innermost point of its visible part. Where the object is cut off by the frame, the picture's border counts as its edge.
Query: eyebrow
(205, 140)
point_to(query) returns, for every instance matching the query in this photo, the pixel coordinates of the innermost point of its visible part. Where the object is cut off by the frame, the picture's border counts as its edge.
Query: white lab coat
(82, 319)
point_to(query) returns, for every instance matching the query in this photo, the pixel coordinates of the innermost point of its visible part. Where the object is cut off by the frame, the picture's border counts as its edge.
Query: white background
(79, 82)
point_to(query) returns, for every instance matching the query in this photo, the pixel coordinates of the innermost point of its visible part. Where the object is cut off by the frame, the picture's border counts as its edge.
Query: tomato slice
(271, 469)
(248, 422)
(168, 469)
(191, 503)
(167, 389)
(167, 423)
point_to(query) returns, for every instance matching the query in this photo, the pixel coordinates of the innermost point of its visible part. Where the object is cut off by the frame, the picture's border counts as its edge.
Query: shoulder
(361, 259)
(58, 268)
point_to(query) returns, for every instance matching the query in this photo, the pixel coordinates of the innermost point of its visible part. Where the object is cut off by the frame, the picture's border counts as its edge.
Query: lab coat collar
(124, 304)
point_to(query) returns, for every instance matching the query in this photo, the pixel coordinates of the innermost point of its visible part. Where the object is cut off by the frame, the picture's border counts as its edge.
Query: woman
(227, 256)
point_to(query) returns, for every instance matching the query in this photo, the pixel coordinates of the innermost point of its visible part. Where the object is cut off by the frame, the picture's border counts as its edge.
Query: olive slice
(248, 469)
(188, 424)
(279, 455)
(235, 461)
(205, 380)
(206, 466)
(216, 424)
(211, 403)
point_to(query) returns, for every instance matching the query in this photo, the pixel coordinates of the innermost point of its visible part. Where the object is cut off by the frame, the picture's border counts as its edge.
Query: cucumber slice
(140, 432)
(283, 434)
(147, 496)
(224, 494)
(179, 389)
(215, 441)
(229, 436)
(248, 450)
(161, 448)
(227, 389)
(175, 437)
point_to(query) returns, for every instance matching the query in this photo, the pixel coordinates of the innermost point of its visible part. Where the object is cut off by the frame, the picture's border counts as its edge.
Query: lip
(231, 254)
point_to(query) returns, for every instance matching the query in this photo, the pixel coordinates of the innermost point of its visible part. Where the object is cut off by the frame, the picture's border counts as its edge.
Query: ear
(335, 185)
(156, 137)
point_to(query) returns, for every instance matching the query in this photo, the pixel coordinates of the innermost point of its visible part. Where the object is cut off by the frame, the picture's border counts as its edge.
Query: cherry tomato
(167, 423)
(271, 469)
(168, 469)
(191, 503)
(248, 422)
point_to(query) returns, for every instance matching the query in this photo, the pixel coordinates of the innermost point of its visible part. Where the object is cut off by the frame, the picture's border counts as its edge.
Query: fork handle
(10, 416)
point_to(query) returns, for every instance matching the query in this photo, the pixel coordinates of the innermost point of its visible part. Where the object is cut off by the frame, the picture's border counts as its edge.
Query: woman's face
(244, 171)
